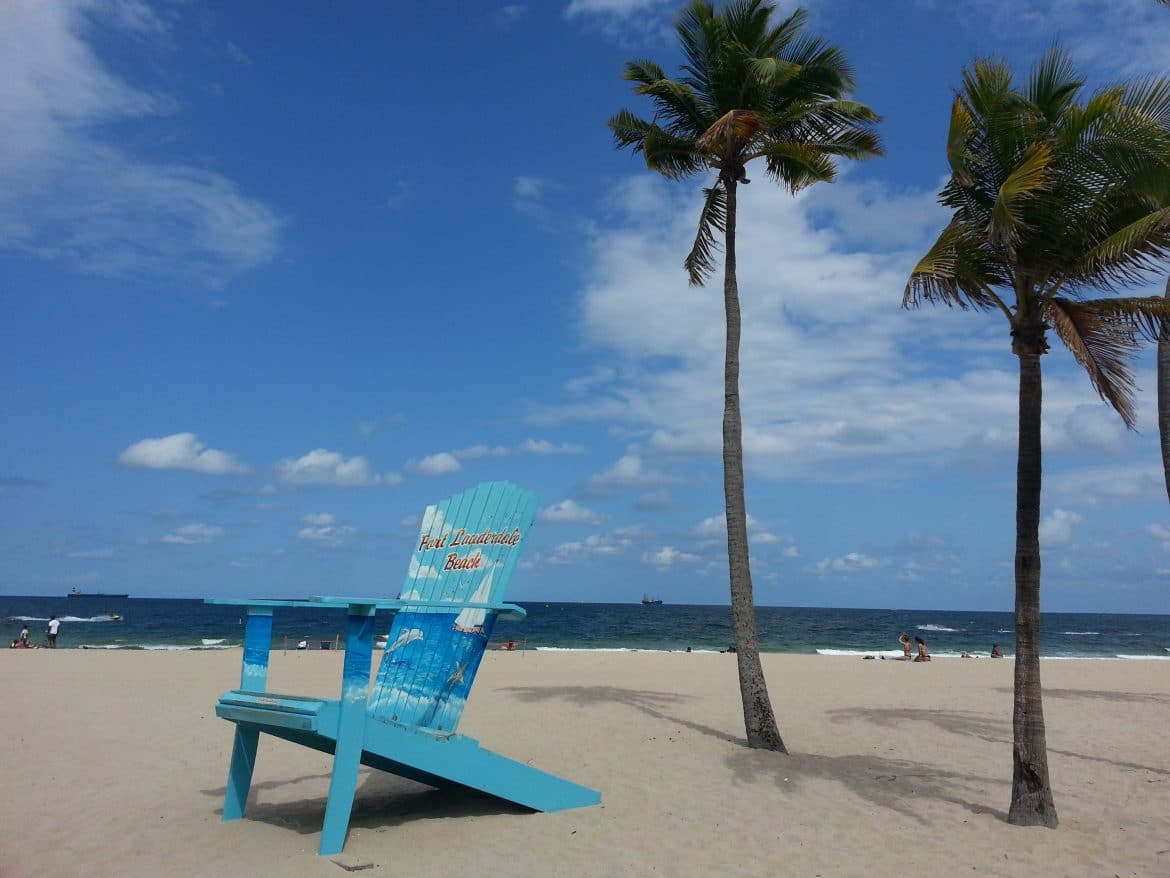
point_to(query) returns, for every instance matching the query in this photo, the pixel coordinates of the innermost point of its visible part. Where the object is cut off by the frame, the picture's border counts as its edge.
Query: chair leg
(240, 773)
(342, 785)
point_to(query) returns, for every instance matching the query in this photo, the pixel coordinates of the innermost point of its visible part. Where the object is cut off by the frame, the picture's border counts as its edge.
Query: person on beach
(923, 652)
(996, 652)
(24, 635)
(904, 639)
(51, 635)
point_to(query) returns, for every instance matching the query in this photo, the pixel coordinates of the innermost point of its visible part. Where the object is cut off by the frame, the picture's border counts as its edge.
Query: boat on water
(78, 593)
(650, 601)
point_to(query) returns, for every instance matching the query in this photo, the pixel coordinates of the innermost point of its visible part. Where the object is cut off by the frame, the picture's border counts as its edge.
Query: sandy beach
(115, 766)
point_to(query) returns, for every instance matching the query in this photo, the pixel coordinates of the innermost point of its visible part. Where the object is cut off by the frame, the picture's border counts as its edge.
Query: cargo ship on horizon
(78, 593)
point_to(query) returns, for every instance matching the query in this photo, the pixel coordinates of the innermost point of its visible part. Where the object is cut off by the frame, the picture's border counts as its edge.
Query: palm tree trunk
(758, 718)
(1032, 803)
(1164, 394)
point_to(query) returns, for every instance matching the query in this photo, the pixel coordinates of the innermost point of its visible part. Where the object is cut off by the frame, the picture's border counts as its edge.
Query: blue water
(156, 623)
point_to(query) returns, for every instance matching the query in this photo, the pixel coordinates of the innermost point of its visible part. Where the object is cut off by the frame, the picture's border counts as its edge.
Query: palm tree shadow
(963, 722)
(900, 785)
(959, 722)
(1099, 694)
(649, 702)
(890, 783)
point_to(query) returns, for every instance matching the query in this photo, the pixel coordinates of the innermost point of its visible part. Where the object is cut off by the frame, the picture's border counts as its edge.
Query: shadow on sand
(897, 784)
(978, 725)
(382, 801)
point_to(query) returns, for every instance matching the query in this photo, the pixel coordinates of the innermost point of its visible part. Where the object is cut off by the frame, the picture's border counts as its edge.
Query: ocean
(182, 624)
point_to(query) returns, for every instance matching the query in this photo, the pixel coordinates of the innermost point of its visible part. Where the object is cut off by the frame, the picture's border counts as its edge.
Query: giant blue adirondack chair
(405, 724)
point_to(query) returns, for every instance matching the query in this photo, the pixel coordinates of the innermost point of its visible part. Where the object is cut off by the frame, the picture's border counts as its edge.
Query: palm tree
(1164, 393)
(1048, 207)
(751, 89)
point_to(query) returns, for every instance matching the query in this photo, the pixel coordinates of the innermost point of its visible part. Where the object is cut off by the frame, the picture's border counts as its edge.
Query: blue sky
(271, 283)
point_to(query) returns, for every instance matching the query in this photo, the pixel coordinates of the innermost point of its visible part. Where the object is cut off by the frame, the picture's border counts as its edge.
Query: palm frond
(1025, 181)
(1128, 254)
(673, 157)
(959, 136)
(629, 131)
(1151, 97)
(797, 165)
(1103, 345)
(643, 71)
(773, 72)
(730, 132)
(678, 105)
(700, 262)
(954, 272)
(1145, 316)
(1053, 84)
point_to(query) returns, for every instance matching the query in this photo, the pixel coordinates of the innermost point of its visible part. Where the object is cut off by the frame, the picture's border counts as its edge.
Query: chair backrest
(467, 548)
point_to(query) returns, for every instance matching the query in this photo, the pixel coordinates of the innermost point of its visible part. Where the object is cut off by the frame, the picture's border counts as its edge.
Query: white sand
(115, 766)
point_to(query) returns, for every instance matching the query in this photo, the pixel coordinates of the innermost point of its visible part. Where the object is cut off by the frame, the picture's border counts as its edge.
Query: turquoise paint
(466, 552)
(257, 642)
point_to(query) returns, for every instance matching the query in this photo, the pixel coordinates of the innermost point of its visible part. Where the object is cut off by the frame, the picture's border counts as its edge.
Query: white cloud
(668, 556)
(323, 467)
(528, 192)
(449, 461)
(869, 213)
(477, 451)
(1161, 533)
(1096, 427)
(68, 194)
(850, 562)
(568, 512)
(92, 554)
(1091, 30)
(437, 464)
(1056, 528)
(838, 383)
(323, 528)
(629, 472)
(615, 8)
(1093, 485)
(195, 534)
(182, 451)
(543, 446)
(715, 527)
(615, 543)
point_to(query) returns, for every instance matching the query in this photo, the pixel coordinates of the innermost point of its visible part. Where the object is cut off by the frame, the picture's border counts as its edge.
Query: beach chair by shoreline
(406, 722)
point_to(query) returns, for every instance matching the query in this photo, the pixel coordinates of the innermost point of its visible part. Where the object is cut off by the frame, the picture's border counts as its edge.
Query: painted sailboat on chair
(466, 551)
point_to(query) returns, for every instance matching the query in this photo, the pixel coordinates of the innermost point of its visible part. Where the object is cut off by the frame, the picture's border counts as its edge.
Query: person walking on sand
(54, 624)
(923, 652)
(904, 639)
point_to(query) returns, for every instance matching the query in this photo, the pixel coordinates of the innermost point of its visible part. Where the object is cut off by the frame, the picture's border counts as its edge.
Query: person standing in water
(51, 635)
